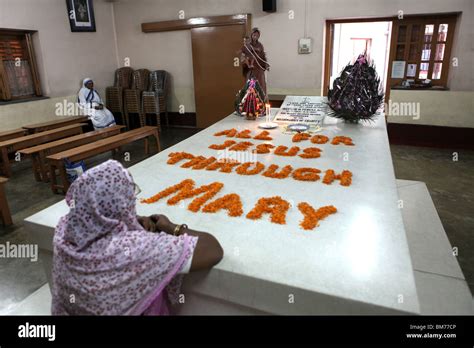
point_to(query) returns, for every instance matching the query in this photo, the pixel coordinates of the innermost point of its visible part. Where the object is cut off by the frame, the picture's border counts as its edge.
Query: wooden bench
(4, 209)
(16, 144)
(11, 134)
(60, 122)
(56, 161)
(38, 153)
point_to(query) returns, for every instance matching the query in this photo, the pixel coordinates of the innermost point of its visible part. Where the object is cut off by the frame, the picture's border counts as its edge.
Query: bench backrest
(104, 145)
(70, 142)
(43, 137)
(11, 134)
(63, 121)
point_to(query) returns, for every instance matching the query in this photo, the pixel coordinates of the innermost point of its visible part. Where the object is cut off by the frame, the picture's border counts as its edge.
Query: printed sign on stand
(302, 109)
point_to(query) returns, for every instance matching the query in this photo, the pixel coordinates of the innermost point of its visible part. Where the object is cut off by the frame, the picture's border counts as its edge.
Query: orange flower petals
(178, 156)
(319, 139)
(264, 135)
(186, 190)
(226, 144)
(341, 139)
(211, 190)
(311, 152)
(281, 151)
(329, 177)
(230, 202)
(225, 165)
(193, 162)
(253, 168)
(245, 134)
(275, 206)
(282, 174)
(345, 177)
(243, 169)
(199, 162)
(306, 174)
(300, 136)
(228, 132)
(312, 217)
(185, 184)
(189, 191)
(242, 146)
(264, 148)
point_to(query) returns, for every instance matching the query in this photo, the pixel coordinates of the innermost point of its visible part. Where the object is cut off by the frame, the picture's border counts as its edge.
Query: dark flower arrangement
(356, 93)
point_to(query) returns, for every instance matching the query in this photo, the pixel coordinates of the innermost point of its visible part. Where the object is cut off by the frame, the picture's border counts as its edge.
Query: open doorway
(348, 39)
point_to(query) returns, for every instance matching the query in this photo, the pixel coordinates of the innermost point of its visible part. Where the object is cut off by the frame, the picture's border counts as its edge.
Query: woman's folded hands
(156, 223)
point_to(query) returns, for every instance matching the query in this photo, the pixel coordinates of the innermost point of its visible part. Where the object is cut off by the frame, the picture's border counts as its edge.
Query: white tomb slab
(356, 262)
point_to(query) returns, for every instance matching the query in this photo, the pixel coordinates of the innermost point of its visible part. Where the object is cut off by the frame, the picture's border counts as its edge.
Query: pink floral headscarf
(104, 262)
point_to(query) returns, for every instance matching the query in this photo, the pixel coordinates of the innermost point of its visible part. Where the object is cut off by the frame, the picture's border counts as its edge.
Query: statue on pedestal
(254, 60)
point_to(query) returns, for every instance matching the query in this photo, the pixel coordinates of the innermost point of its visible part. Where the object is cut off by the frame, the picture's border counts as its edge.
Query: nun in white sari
(92, 105)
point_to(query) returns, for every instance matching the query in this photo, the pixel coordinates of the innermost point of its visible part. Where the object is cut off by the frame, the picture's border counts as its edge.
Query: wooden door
(216, 78)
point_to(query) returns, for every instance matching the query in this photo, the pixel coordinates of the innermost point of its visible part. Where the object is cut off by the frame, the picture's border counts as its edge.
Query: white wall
(64, 58)
(437, 108)
(16, 115)
(290, 72)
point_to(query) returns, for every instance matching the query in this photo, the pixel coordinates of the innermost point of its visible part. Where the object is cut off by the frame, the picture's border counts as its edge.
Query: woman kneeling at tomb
(109, 261)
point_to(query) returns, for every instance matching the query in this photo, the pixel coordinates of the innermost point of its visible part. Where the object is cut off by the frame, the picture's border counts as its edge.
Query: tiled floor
(449, 183)
(21, 277)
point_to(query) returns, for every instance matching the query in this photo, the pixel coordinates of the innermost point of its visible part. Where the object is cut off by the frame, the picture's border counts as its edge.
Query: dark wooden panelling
(431, 136)
(176, 119)
(275, 103)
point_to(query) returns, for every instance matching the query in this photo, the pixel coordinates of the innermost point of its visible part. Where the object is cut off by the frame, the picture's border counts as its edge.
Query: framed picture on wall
(81, 15)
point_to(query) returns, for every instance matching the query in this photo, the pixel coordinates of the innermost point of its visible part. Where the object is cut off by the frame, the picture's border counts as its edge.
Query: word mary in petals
(276, 207)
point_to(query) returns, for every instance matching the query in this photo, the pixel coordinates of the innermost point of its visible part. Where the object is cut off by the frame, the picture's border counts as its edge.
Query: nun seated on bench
(92, 105)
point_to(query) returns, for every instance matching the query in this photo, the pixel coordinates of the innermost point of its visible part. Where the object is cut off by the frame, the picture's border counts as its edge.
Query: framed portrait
(81, 15)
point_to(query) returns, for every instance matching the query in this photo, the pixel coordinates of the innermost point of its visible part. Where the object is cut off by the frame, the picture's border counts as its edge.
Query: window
(18, 71)
(423, 42)
(361, 45)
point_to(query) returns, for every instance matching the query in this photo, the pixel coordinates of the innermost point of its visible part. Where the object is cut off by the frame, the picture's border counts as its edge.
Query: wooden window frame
(436, 20)
(329, 28)
(26, 35)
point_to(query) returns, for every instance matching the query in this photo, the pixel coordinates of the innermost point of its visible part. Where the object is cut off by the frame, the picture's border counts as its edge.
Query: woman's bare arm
(208, 251)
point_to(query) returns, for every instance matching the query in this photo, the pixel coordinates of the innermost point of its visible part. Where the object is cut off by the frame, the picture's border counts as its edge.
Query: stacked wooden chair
(154, 100)
(5, 214)
(133, 96)
(114, 94)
